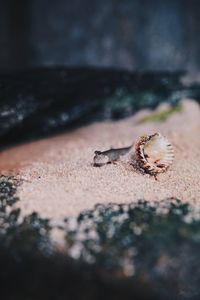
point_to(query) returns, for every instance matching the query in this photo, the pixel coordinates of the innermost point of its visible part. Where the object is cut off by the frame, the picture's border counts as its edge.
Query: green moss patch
(161, 115)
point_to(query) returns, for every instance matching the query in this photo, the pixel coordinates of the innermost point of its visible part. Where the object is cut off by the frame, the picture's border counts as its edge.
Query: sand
(59, 179)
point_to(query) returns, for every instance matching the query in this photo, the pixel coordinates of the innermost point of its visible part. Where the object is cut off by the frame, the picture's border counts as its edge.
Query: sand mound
(59, 179)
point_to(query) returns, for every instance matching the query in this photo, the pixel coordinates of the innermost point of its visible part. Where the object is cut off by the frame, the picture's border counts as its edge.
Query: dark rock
(38, 102)
(128, 251)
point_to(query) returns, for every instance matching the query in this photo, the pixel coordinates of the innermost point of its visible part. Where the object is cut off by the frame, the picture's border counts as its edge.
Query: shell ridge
(154, 153)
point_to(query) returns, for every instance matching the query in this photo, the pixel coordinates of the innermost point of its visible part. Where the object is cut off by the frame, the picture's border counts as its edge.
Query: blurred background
(134, 35)
(130, 34)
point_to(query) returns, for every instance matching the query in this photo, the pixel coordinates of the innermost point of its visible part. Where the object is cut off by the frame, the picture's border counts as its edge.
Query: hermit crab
(153, 154)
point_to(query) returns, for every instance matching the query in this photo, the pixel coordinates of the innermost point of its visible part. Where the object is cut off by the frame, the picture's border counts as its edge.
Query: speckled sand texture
(60, 181)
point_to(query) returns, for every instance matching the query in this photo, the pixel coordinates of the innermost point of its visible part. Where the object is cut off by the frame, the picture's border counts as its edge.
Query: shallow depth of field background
(131, 34)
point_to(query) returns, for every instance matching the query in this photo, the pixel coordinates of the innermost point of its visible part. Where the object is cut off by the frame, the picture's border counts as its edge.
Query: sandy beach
(59, 180)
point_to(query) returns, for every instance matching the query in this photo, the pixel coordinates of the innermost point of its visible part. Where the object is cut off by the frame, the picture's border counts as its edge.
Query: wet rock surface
(19, 235)
(140, 250)
(43, 101)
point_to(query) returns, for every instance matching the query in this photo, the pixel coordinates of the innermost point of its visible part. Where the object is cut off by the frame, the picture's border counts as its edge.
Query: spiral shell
(154, 153)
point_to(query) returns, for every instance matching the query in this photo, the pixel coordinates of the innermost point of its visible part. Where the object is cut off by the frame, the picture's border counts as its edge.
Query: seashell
(153, 153)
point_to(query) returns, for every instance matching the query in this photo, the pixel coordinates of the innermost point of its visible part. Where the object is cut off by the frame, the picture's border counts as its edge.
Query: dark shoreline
(44, 101)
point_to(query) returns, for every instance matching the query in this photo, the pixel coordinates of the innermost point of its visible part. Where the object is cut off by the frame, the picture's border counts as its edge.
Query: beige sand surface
(59, 179)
